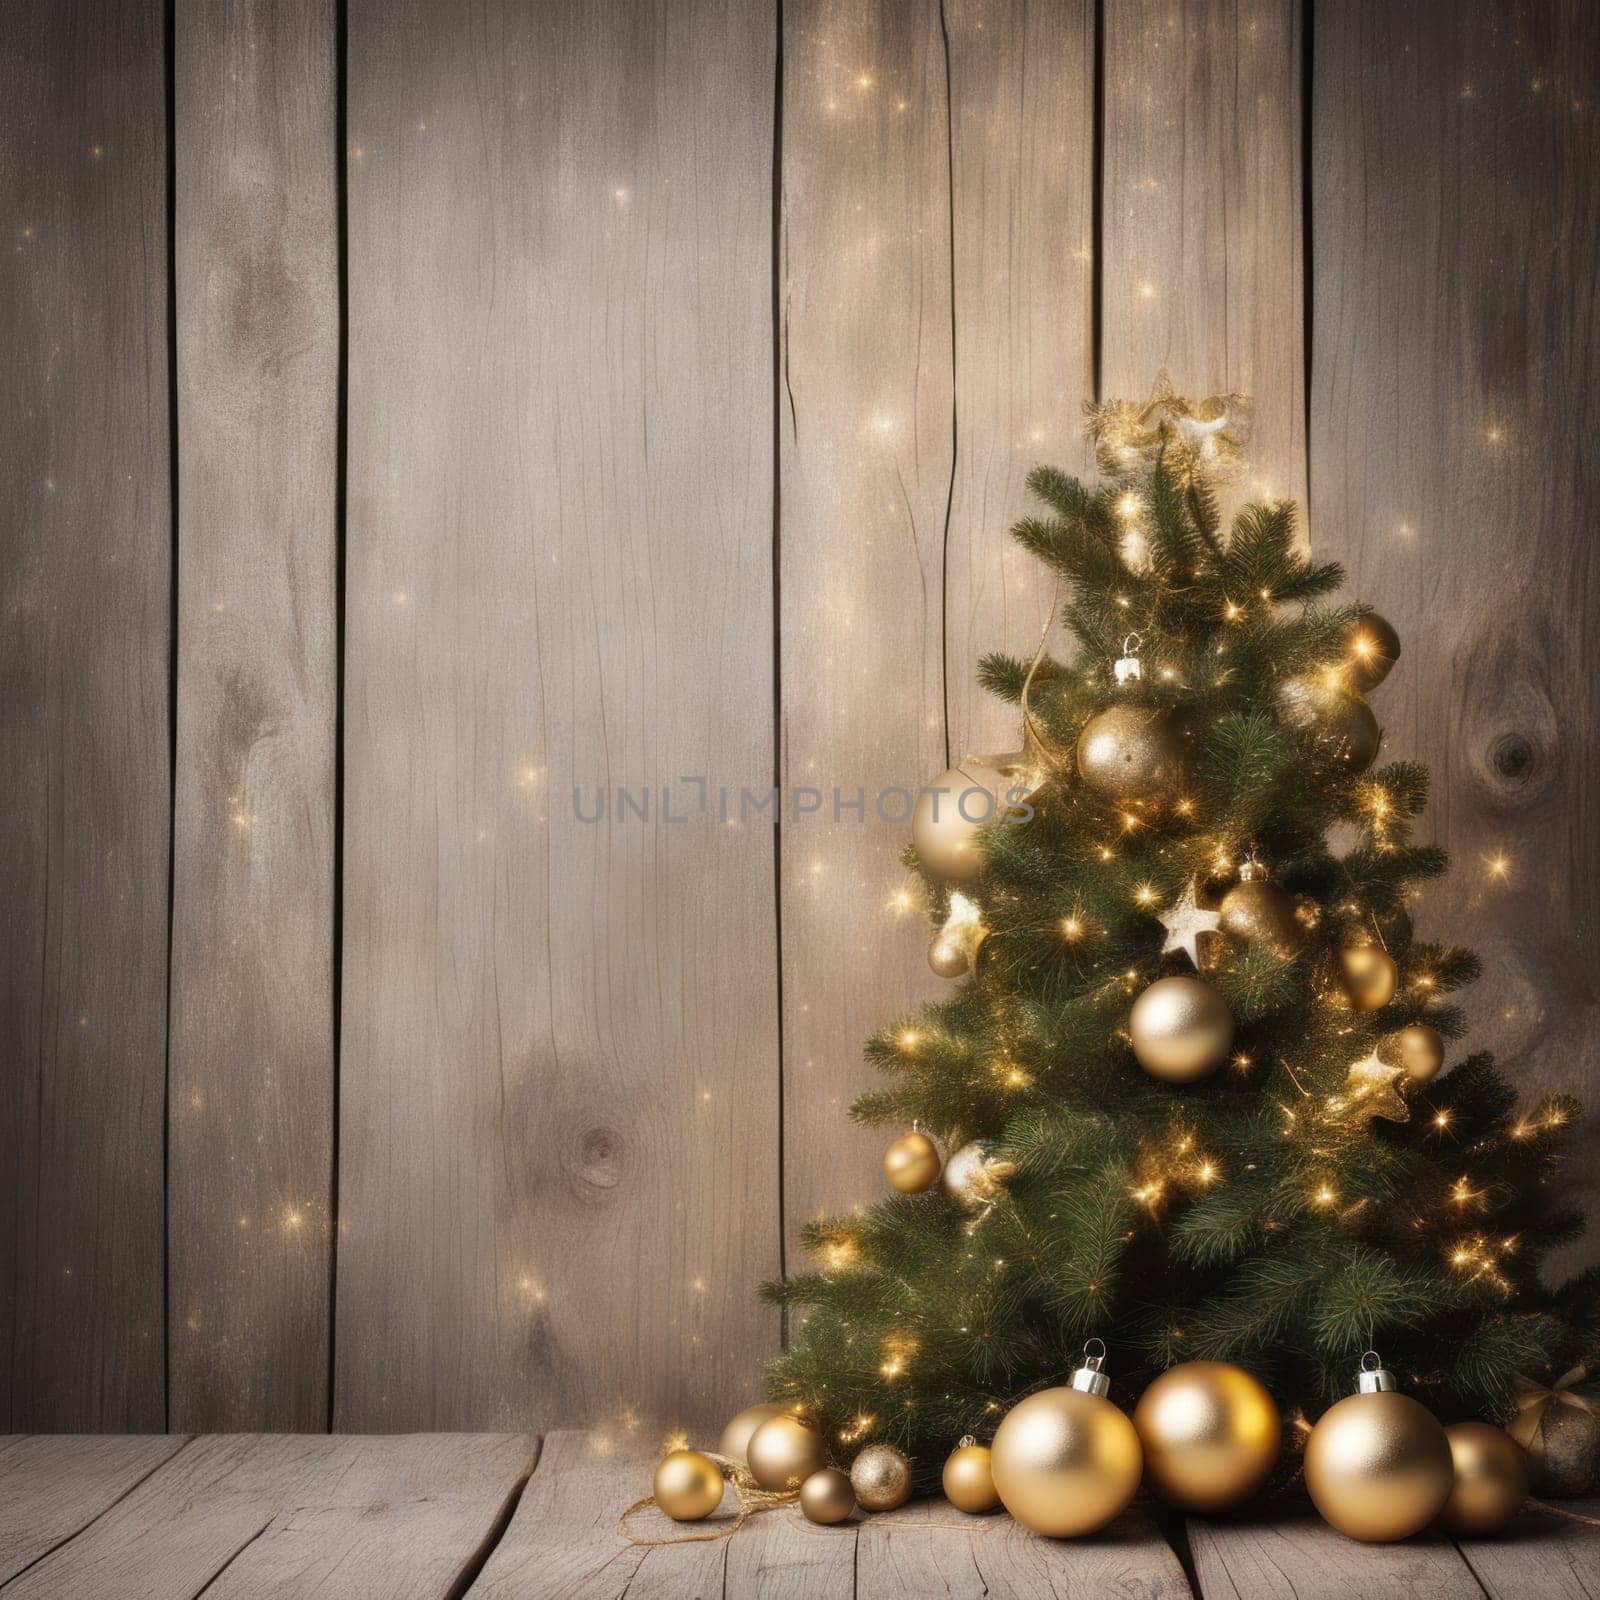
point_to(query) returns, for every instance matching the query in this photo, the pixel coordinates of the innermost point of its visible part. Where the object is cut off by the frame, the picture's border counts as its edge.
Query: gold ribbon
(1200, 438)
(1533, 1400)
(752, 1500)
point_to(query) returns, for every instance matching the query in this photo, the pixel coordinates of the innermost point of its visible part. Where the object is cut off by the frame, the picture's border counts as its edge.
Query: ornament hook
(1091, 1357)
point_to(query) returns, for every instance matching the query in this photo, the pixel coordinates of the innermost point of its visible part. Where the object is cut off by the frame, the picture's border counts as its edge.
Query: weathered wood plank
(53, 1485)
(1541, 1554)
(1201, 260)
(85, 591)
(929, 1548)
(1304, 1557)
(251, 1105)
(559, 1073)
(781, 1556)
(1022, 225)
(1455, 395)
(251, 1514)
(865, 466)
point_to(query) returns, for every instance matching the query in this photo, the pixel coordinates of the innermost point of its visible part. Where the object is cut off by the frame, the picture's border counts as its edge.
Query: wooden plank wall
(696, 354)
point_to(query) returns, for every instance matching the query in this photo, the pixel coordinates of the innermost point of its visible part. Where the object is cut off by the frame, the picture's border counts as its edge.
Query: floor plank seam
(210, 1582)
(496, 1531)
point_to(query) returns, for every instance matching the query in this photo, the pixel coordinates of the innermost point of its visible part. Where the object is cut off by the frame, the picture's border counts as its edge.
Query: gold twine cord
(753, 1499)
(1559, 1511)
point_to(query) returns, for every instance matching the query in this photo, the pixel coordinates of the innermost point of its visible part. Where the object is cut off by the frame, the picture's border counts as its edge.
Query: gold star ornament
(1186, 921)
(1372, 1089)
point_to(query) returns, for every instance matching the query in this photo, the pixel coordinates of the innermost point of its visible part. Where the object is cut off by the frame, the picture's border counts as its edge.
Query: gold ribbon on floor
(752, 1499)
(1199, 438)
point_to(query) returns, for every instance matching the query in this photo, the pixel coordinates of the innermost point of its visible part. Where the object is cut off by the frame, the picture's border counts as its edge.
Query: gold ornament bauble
(881, 1478)
(1377, 1464)
(827, 1497)
(1369, 975)
(1258, 912)
(912, 1163)
(1371, 648)
(1130, 753)
(1491, 1479)
(968, 1478)
(974, 1175)
(944, 825)
(1417, 1049)
(1559, 1425)
(735, 1441)
(1210, 1433)
(1181, 1029)
(1066, 1461)
(783, 1452)
(1338, 724)
(950, 957)
(688, 1485)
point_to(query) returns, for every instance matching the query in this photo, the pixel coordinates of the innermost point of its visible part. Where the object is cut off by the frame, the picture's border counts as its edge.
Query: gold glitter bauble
(1210, 1433)
(736, 1436)
(1339, 725)
(1564, 1454)
(968, 1478)
(973, 1175)
(1378, 1466)
(688, 1485)
(1259, 912)
(944, 825)
(1132, 753)
(1065, 1462)
(950, 955)
(1181, 1029)
(1371, 648)
(881, 1478)
(1491, 1479)
(1370, 976)
(827, 1497)
(784, 1451)
(1416, 1048)
(912, 1163)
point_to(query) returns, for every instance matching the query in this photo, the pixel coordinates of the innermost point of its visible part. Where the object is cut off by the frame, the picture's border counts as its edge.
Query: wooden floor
(426, 1516)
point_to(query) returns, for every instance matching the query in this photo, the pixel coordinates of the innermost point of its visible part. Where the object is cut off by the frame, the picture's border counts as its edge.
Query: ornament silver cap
(1374, 1377)
(1089, 1377)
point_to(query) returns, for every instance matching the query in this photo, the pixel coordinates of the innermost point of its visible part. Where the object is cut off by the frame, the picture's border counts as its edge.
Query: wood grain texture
(865, 431)
(1455, 402)
(1308, 1559)
(559, 1071)
(1201, 255)
(1022, 231)
(250, 1146)
(85, 592)
(245, 1515)
(1541, 1553)
(53, 1485)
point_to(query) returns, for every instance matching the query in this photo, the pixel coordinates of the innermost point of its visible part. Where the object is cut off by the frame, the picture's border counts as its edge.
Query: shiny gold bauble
(1065, 1462)
(968, 1478)
(1210, 1434)
(950, 955)
(1370, 976)
(912, 1163)
(827, 1497)
(1378, 1466)
(784, 1451)
(1181, 1029)
(1259, 912)
(688, 1485)
(1371, 648)
(1338, 724)
(1417, 1049)
(1134, 753)
(736, 1436)
(1491, 1479)
(974, 1175)
(881, 1478)
(944, 826)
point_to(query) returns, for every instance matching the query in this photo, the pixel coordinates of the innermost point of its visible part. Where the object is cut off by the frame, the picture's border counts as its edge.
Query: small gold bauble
(827, 1497)
(973, 1176)
(1134, 753)
(1491, 1479)
(881, 1478)
(950, 811)
(1416, 1048)
(1371, 648)
(1181, 1029)
(1258, 912)
(1210, 1433)
(1370, 976)
(1065, 1462)
(1378, 1466)
(968, 1478)
(912, 1163)
(950, 955)
(1339, 725)
(688, 1485)
(736, 1436)
(784, 1451)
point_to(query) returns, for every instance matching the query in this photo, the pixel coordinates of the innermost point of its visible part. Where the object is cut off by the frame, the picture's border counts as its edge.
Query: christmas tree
(1190, 1091)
